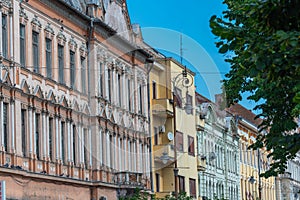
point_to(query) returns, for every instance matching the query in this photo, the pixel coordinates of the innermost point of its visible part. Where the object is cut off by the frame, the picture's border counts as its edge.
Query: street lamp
(184, 80)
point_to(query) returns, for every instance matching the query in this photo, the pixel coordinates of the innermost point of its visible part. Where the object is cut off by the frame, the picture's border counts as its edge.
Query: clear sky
(162, 23)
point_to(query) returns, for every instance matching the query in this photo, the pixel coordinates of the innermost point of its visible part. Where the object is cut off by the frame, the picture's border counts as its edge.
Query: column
(60, 139)
(114, 152)
(79, 141)
(119, 154)
(44, 134)
(82, 145)
(47, 142)
(113, 85)
(100, 148)
(29, 123)
(68, 124)
(90, 146)
(34, 130)
(12, 106)
(124, 154)
(107, 150)
(56, 138)
(106, 80)
(129, 155)
(71, 143)
(124, 100)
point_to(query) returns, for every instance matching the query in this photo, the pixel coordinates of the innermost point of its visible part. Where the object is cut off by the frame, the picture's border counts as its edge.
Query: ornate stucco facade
(217, 149)
(252, 162)
(288, 184)
(74, 106)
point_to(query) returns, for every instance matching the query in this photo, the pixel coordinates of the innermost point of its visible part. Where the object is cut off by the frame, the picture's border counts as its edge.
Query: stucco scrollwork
(61, 38)
(36, 24)
(72, 44)
(23, 16)
(49, 32)
(83, 50)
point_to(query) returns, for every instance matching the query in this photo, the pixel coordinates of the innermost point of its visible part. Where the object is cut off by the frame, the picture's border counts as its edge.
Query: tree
(262, 40)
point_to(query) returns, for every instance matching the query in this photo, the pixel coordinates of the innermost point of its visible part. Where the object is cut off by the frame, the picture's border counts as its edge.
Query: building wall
(217, 148)
(89, 124)
(163, 115)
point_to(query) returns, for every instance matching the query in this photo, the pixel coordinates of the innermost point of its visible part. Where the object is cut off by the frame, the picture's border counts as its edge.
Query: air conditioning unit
(162, 129)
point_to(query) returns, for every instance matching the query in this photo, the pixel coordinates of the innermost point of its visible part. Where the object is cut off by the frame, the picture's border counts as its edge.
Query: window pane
(4, 36)
(83, 75)
(22, 45)
(35, 51)
(5, 125)
(72, 69)
(50, 137)
(63, 142)
(49, 57)
(23, 129)
(37, 135)
(61, 63)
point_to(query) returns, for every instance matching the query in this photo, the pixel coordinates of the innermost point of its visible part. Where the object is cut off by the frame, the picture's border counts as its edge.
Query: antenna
(181, 49)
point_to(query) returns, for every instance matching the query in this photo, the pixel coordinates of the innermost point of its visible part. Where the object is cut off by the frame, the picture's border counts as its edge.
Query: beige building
(173, 152)
(252, 163)
(73, 106)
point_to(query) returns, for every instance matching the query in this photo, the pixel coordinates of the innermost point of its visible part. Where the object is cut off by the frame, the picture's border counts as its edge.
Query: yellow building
(252, 187)
(166, 82)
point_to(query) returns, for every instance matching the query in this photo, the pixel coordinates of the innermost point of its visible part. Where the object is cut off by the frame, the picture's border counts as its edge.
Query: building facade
(217, 150)
(288, 184)
(73, 106)
(174, 154)
(252, 162)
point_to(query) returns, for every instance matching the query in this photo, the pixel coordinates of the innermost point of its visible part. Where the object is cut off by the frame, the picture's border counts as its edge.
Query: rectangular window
(23, 131)
(37, 135)
(189, 104)
(129, 95)
(157, 178)
(72, 69)
(5, 125)
(109, 84)
(4, 36)
(83, 75)
(119, 90)
(100, 85)
(140, 99)
(191, 147)
(85, 142)
(22, 45)
(192, 183)
(35, 51)
(154, 90)
(50, 137)
(63, 153)
(178, 97)
(74, 144)
(61, 64)
(179, 141)
(49, 57)
(155, 136)
(181, 183)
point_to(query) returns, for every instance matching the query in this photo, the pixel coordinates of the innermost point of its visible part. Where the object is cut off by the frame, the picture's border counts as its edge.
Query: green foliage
(138, 195)
(263, 39)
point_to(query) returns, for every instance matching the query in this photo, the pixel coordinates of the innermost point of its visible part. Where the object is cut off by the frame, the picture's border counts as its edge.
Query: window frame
(22, 45)
(60, 60)
(48, 52)
(35, 51)
(72, 69)
(4, 36)
(191, 145)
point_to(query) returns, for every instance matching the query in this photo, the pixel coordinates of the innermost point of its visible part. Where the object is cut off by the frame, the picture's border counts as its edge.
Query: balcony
(162, 107)
(163, 154)
(201, 163)
(131, 179)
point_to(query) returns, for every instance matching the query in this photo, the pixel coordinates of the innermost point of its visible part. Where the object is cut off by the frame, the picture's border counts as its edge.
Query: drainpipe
(151, 62)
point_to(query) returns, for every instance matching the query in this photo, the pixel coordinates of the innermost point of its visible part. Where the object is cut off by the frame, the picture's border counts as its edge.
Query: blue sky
(162, 23)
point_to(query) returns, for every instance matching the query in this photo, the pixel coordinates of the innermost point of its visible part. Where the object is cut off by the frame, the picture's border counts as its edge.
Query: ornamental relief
(72, 44)
(36, 24)
(23, 16)
(5, 3)
(61, 38)
(49, 32)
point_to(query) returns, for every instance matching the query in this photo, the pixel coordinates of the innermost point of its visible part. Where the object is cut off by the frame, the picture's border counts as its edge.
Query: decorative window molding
(61, 38)
(72, 44)
(23, 16)
(36, 24)
(83, 50)
(5, 3)
(49, 32)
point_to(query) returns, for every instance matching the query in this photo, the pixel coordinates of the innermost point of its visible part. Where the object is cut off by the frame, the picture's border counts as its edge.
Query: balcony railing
(127, 178)
(162, 107)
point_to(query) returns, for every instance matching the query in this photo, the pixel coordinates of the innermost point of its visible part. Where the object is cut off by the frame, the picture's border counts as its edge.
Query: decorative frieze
(72, 44)
(49, 32)
(83, 50)
(61, 38)
(36, 24)
(23, 16)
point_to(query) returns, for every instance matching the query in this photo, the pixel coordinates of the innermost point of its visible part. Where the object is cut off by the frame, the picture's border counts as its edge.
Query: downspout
(151, 62)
